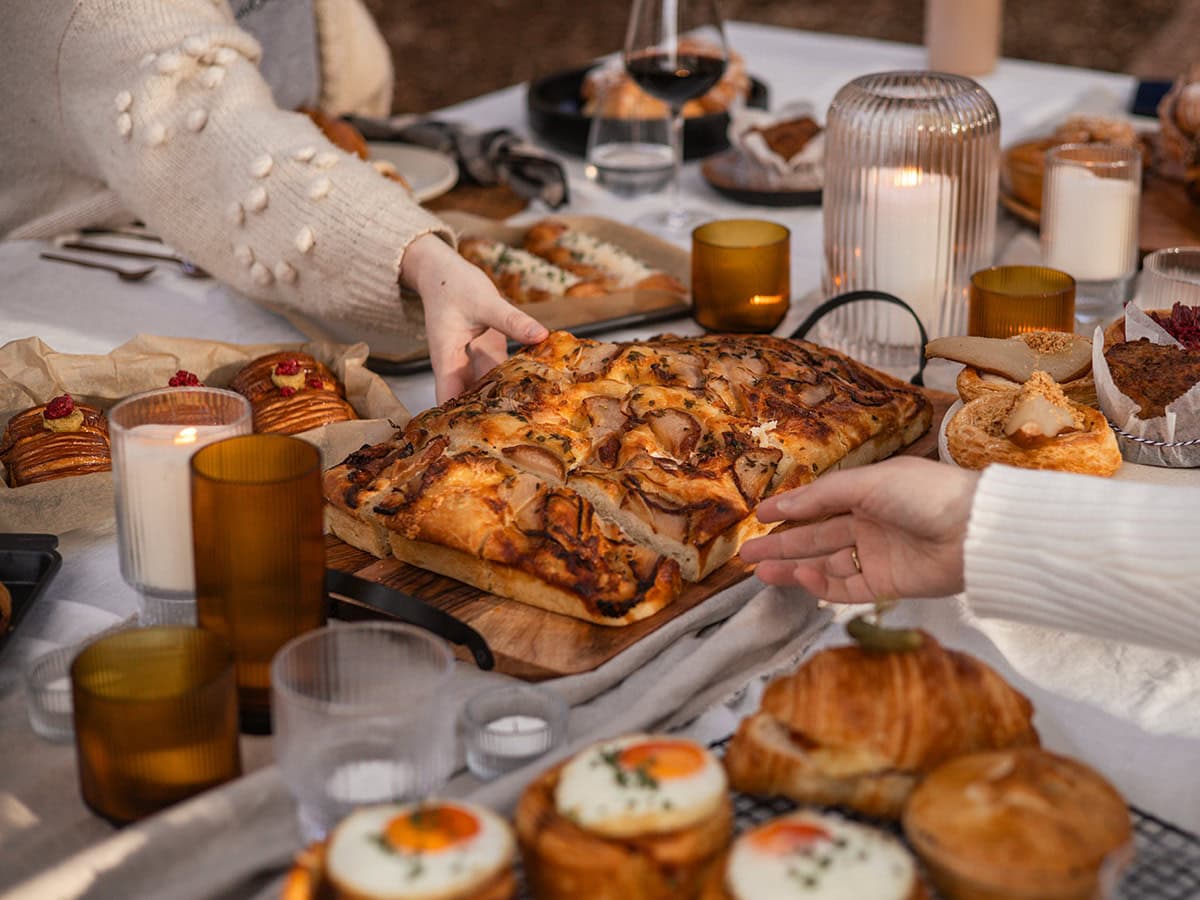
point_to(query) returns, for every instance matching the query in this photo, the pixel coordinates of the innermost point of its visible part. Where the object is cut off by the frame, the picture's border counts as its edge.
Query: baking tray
(554, 106)
(28, 562)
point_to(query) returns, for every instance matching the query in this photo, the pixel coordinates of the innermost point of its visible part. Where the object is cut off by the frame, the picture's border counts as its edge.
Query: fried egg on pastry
(424, 851)
(640, 784)
(812, 855)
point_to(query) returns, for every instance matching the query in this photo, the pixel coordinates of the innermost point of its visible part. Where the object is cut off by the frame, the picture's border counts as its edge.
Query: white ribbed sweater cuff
(1111, 559)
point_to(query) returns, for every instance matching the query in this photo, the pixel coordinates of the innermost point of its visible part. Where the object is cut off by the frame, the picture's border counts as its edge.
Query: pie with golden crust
(589, 477)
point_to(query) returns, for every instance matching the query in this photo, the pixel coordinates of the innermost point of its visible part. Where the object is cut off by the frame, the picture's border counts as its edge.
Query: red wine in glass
(675, 79)
(675, 51)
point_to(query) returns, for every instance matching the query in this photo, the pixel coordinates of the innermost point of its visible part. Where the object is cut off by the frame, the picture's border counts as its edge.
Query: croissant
(859, 728)
(35, 449)
(290, 392)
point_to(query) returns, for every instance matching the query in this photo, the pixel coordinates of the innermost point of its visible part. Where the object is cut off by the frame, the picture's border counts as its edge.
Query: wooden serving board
(531, 643)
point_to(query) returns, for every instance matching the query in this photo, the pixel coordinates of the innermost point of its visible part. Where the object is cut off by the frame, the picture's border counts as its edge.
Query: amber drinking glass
(1008, 300)
(741, 271)
(155, 719)
(260, 553)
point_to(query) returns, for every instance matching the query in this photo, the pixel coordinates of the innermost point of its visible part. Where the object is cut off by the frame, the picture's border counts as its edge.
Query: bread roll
(1017, 823)
(55, 440)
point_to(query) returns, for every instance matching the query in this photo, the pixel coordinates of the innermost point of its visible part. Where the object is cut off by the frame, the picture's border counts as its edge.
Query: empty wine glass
(675, 50)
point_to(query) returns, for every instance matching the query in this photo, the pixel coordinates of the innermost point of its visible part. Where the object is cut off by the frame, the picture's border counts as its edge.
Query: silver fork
(123, 274)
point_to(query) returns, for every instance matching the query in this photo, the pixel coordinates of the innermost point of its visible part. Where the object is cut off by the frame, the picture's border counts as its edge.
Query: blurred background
(451, 50)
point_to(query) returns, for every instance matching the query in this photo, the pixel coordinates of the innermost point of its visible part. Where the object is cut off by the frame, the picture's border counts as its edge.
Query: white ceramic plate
(429, 173)
(943, 449)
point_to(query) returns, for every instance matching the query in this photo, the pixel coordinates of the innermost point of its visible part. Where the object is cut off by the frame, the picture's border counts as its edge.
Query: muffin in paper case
(1172, 439)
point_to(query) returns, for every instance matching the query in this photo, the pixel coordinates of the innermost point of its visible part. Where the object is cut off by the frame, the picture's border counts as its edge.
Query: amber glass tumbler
(156, 719)
(741, 275)
(257, 525)
(1008, 300)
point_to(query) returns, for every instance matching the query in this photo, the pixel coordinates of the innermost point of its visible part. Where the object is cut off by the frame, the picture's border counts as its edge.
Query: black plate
(27, 564)
(554, 102)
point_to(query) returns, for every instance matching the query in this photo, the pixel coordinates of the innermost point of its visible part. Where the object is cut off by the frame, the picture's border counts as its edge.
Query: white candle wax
(155, 501)
(1089, 224)
(909, 250)
(520, 736)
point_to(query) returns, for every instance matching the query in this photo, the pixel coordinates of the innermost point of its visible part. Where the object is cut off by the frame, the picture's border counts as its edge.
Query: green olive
(873, 636)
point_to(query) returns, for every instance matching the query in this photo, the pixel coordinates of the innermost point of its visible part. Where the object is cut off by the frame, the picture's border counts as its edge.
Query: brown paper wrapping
(1181, 421)
(32, 373)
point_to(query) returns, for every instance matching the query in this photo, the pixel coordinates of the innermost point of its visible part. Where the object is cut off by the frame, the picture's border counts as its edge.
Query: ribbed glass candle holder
(911, 169)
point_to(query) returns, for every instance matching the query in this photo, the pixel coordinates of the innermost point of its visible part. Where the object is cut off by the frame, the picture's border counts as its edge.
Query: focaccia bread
(290, 392)
(1018, 823)
(55, 440)
(635, 818)
(859, 728)
(665, 448)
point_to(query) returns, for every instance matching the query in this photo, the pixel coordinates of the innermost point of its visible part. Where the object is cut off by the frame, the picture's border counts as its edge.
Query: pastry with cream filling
(1036, 427)
(815, 856)
(290, 392)
(641, 817)
(1010, 367)
(1018, 823)
(426, 851)
(55, 440)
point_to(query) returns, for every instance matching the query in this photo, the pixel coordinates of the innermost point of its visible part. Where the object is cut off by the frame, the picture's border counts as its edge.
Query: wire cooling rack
(1166, 865)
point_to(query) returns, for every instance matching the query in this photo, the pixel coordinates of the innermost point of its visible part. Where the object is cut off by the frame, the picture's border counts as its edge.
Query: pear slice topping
(1064, 357)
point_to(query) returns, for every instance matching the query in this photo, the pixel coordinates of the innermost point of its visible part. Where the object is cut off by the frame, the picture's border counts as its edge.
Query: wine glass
(675, 51)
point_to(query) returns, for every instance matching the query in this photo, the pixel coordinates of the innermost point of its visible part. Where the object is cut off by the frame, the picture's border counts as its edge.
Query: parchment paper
(32, 373)
(1181, 421)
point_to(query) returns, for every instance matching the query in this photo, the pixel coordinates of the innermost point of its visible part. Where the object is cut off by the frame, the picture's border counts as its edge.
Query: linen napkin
(493, 156)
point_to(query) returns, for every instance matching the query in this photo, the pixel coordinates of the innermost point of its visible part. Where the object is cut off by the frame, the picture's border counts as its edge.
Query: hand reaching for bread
(904, 519)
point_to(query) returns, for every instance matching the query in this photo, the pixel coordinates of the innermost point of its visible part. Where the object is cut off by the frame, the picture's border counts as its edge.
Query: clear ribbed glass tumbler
(909, 207)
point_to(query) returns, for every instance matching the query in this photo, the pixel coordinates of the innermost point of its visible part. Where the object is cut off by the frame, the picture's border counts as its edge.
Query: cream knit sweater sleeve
(1113, 559)
(163, 102)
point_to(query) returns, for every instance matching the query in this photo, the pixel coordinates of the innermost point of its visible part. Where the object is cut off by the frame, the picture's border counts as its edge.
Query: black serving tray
(554, 104)
(28, 562)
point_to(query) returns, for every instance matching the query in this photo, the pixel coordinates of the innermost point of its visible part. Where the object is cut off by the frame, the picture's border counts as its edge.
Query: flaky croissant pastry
(290, 392)
(55, 440)
(859, 728)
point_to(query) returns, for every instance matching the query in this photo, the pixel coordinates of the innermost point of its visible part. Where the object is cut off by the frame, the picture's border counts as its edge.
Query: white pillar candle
(1089, 224)
(909, 245)
(154, 502)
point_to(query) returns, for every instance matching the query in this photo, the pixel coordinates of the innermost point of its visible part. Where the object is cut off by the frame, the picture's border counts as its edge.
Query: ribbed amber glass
(156, 719)
(1008, 300)
(911, 174)
(257, 522)
(741, 275)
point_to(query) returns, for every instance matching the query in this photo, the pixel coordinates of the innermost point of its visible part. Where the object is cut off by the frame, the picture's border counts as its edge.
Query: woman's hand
(466, 319)
(903, 520)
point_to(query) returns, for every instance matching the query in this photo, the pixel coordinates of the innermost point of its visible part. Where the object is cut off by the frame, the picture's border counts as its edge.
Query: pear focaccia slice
(473, 517)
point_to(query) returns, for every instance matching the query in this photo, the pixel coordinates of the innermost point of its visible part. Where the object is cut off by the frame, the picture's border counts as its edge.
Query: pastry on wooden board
(434, 850)
(663, 448)
(55, 440)
(641, 817)
(859, 728)
(1035, 427)
(1017, 823)
(815, 856)
(290, 392)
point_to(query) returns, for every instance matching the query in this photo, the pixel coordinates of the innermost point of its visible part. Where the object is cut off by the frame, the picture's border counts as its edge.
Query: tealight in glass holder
(1010, 300)
(155, 715)
(154, 434)
(509, 727)
(909, 203)
(741, 275)
(1170, 276)
(1091, 194)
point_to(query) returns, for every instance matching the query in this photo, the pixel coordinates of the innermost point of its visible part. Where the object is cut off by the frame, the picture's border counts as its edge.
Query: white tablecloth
(1130, 712)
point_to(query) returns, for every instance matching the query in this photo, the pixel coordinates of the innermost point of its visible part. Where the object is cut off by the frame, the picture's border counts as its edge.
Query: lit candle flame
(186, 436)
(765, 299)
(908, 177)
